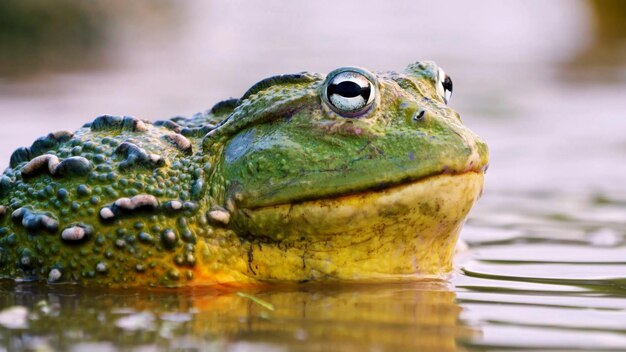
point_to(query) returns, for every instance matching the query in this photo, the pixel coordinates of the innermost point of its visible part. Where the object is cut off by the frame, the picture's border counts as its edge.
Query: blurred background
(542, 82)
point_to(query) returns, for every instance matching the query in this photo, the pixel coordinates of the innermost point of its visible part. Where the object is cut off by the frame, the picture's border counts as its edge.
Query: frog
(351, 176)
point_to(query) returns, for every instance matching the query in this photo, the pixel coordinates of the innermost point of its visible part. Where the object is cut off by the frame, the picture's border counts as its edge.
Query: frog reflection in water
(423, 316)
(348, 176)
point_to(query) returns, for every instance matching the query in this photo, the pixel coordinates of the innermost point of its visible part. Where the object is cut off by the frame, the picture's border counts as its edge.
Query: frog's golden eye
(444, 85)
(349, 91)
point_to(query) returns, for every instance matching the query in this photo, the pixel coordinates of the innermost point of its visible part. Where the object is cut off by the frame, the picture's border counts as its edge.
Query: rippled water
(548, 272)
(546, 265)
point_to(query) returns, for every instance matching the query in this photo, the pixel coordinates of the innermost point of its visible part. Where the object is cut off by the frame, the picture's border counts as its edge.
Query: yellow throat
(405, 232)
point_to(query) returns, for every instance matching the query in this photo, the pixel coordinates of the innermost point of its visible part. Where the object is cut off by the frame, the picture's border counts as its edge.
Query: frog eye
(444, 85)
(349, 92)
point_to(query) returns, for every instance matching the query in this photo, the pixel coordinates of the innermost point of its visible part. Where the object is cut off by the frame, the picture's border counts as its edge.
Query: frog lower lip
(378, 188)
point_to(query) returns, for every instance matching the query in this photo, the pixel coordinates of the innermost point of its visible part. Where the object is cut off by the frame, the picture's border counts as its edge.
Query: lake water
(546, 265)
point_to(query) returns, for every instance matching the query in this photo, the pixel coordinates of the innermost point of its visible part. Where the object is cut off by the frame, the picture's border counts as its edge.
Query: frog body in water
(347, 176)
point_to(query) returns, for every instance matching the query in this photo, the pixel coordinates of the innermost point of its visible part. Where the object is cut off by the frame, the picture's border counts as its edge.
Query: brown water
(546, 269)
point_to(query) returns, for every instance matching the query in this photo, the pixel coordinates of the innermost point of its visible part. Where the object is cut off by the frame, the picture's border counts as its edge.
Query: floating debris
(604, 237)
(136, 322)
(54, 275)
(15, 317)
(257, 300)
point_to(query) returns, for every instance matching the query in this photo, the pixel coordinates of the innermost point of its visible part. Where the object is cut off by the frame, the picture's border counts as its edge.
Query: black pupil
(447, 84)
(349, 89)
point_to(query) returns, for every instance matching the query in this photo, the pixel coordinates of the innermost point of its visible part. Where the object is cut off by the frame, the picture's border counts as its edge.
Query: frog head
(351, 167)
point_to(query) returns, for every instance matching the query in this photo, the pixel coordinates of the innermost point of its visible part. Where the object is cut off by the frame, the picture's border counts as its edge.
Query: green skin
(73, 218)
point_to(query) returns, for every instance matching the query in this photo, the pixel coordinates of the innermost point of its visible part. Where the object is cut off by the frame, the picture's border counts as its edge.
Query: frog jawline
(380, 188)
(405, 232)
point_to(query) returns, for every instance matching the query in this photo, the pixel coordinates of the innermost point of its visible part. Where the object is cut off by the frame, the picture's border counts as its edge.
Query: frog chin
(405, 231)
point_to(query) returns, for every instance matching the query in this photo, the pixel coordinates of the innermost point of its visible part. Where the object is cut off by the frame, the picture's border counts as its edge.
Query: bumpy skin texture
(274, 186)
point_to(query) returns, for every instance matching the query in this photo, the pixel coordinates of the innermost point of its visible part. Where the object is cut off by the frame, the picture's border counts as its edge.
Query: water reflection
(547, 272)
(417, 316)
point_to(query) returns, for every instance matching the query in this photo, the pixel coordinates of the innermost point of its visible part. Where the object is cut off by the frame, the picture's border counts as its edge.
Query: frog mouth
(252, 203)
(400, 232)
(326, 215)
